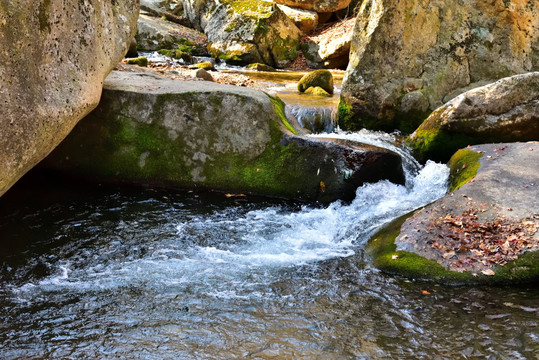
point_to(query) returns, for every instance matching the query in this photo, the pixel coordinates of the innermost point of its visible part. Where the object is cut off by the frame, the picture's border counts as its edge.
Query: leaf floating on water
(322, 186)
(235, 195)
(488, 272)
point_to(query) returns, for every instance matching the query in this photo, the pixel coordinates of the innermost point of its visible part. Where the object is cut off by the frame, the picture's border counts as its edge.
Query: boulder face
(152, 130)
(54, 56)
(244, 31)
(321, 6)
(504, 111)
(305, 20)
(408, 57)
(485, 231)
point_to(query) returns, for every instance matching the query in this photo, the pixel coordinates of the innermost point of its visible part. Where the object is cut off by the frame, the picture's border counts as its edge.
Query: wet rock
(243, 32)
(53, 59)
(504, 111)
(321, 6)
(317, 91)
(153, 130)
(318, 78)
(154, 33)
(203, 74)
(260, 67)
(485, 231)
(444, 45)
(305, 20)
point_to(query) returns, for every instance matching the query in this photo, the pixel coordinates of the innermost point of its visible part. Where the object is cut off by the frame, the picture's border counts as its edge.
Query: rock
(504, 111)
(140, 61)
(206, 65)
(242, 32)
(203, 74)
(261, 67)
(485, 231)
(329, 49)
(317, 91)
(154, 33)
(53, 58)
(442, 45)
(132, 51)
(153, 130)
(305, 20)
(321, 6)
(318, 78)
(167, 9)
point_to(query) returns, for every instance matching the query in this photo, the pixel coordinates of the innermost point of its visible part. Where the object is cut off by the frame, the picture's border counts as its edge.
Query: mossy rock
(317, 91)
(206, 65)
(261, 67)
(140, 61)
(177, 54)
(381, 250)
(319, 78)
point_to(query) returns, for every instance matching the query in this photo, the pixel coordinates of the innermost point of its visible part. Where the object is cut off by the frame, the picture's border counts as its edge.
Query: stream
(107, 272)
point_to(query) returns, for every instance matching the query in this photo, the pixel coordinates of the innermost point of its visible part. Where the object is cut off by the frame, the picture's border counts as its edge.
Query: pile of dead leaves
(464, 241)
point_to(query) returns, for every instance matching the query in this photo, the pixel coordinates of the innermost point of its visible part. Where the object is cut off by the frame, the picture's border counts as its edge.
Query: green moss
(140, 61)
(322, 78)
(251, 8)
(463, 167)
(177, 54)
(345, 118)
(317, 91)
(279, 109)
(205, 65)
(285, 50)
(381, 249)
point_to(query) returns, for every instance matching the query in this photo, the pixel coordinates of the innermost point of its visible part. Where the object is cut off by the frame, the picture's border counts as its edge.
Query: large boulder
(54, 56)
(243, 32)
(153, 130)
(154, 33)
(321, 6)
(504, 111)
(305, 20)
(330, 47)
(485, 231)
(409, 57)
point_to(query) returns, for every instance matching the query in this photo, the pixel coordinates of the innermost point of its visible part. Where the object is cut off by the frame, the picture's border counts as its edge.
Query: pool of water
(91, 271)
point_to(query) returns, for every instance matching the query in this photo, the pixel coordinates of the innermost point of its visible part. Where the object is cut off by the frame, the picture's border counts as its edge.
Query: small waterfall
(315, 119)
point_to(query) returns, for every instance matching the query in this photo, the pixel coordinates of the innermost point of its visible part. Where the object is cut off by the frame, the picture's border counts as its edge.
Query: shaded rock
(243, 32)
(170, 10)
(153, 130)
(203, 74)
(132, 51)
(317, 78)
(305, 20)
(489, 226)
(443, 45)
(504, 111)
(317, 91)
(53, 59)
(321, 6)
(330, 48)
(154, 33)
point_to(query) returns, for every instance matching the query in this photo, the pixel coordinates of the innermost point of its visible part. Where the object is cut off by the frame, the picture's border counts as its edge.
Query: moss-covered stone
(140, 61)
(177, 54)
(260, 67)
(321, 78)
(206, 65)
(381, 250)
(317, 91)
(463, 166)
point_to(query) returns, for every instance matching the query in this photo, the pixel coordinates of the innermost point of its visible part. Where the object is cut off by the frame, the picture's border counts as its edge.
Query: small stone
(203, 74)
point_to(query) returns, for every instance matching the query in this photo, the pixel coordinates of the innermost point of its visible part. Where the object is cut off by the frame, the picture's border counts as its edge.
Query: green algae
(463, 167)
(381, 250)
(279, 110)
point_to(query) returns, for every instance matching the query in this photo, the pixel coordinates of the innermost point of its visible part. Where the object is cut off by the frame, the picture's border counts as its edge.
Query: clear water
(106, 273)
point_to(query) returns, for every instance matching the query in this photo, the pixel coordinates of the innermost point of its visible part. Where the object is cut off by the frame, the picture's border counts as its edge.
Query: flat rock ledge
(486, 231)
(155, 131)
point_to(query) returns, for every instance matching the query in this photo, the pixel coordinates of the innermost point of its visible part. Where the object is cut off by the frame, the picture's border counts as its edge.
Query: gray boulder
(434, 49)
(153, 130)
(504, 111)
(54, 56)
(485, 231)
(321, 6)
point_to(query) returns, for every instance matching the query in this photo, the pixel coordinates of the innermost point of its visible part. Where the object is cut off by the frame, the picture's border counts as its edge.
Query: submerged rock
(54, 56)
(435, 48)
(318, 78)
(242, 32)
(504, 111)
(485, 231)
(152, 130)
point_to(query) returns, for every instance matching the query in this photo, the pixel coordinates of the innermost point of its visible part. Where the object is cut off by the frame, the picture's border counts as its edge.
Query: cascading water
(93, 272)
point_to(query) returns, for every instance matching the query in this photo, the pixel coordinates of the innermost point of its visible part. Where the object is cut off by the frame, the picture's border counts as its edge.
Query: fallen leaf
(394, 257)
(488, 272)
(425, 292)
(235, 195)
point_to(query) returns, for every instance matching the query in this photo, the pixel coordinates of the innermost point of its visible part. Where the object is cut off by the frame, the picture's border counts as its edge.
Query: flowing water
(99, 272)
